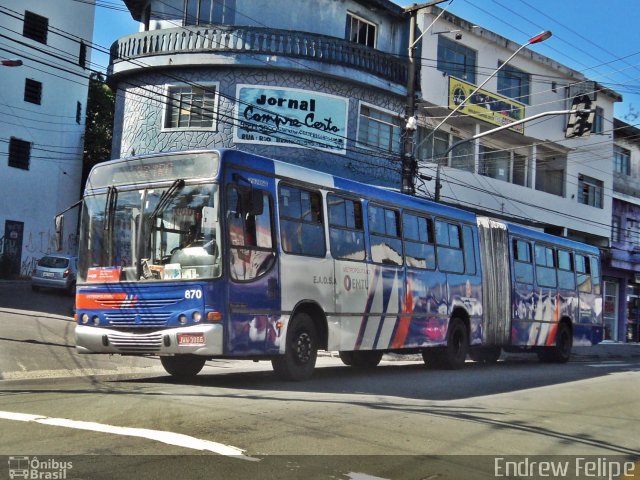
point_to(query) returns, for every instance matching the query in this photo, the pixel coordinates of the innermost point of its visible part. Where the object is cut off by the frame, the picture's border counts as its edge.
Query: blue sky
(599, 38)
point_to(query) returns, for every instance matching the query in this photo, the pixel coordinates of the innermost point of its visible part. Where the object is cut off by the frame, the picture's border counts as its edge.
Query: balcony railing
(260, 41)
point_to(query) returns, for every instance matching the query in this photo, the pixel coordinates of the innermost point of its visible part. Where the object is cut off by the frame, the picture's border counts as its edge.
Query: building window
(360, 31)
(206, 12)
(456, 60)
(32, 91)
(190, 107)
(519, 176)
(379, 129)
(432, 147)
(19, 153)
(78, 112)
(621, 160)
(494, 163)
(615, 228)
(82, 55)
(35, 27)
(514, 83)
(550, 174)
(590, 191)
(598, 121)
(632, 233)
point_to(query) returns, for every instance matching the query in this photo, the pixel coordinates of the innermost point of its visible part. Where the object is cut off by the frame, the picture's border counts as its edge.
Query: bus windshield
(150, 234)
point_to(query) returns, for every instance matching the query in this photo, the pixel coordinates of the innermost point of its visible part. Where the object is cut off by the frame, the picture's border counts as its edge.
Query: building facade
(531, 173)
(41, 135)
(318, 83)
(622, 264)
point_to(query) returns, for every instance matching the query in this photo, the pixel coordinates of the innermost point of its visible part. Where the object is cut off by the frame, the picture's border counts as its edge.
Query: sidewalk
(607, 351)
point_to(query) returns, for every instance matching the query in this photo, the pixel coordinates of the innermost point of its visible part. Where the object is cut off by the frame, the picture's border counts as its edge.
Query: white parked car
(55, 271)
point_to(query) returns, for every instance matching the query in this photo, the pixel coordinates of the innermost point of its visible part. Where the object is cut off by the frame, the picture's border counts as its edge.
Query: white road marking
(362, 476)
(610, 364)
(169, 438)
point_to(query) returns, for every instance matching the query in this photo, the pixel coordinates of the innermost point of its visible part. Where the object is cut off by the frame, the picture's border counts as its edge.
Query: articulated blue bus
(198, 255)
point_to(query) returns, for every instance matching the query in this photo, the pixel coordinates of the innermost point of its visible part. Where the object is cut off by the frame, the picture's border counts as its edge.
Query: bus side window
(595, 275)
(469, 250)
(346, 233)
(545, 266)
(419, 249)
(384, 233)
(301, 221)
(522, 262)
(583, 270)
(449, 242)
(566, 277)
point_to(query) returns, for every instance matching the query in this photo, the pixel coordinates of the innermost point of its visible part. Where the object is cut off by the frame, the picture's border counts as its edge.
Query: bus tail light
(214, 316)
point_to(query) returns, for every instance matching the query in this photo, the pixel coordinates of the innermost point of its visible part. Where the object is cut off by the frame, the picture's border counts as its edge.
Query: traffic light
(581, 120)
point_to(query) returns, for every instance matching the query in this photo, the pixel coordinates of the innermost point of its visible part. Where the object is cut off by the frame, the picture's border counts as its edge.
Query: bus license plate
(190, 338)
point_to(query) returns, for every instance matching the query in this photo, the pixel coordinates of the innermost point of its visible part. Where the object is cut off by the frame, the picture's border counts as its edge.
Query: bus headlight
(96, 320)
(84, 318)
(197, 316)
(182, 319)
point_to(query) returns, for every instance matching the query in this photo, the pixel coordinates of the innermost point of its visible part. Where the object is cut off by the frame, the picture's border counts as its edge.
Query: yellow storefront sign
(484, 105)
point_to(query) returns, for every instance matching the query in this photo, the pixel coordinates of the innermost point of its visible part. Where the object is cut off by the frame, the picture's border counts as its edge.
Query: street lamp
(11, 63)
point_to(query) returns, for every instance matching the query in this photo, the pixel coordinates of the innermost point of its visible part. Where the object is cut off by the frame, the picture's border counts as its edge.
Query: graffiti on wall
(38, 244)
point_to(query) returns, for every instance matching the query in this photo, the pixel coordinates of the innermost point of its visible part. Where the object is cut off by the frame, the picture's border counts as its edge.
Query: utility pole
(407, 154)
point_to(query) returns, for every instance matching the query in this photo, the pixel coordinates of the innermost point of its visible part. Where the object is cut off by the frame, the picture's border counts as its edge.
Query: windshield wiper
(166, 197)
(109, 217)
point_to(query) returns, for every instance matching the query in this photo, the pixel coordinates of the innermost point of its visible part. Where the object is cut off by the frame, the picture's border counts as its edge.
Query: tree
(99, 124)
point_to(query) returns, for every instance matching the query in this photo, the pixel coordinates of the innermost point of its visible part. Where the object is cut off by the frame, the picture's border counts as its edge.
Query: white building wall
(53, 179)
(590, 156)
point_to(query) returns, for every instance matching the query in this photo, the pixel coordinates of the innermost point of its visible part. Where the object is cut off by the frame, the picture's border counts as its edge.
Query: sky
(600, 38)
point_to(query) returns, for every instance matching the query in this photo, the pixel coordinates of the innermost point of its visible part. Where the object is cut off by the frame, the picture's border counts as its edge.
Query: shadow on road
(18, 295)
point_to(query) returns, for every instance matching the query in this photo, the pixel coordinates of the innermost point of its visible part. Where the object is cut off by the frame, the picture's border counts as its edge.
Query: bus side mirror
(59, 226)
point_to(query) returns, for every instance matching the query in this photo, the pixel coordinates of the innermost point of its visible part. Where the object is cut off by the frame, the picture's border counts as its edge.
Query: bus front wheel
(183, 366)
(301, 350)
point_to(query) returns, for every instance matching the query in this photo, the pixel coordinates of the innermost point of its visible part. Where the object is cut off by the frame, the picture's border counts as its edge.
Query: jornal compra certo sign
(290, 117)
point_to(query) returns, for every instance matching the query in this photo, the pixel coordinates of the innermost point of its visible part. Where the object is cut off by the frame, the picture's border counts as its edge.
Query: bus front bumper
(206, 340)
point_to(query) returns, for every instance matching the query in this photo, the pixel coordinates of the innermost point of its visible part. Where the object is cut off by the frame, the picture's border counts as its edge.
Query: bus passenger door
(253, 287)
(385, 280)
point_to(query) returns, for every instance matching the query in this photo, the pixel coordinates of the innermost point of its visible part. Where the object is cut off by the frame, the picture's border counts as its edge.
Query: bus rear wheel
(453, 356)
(561, 351)
(183, 366)
(485, 354)
(301, 350)
(361, 359)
